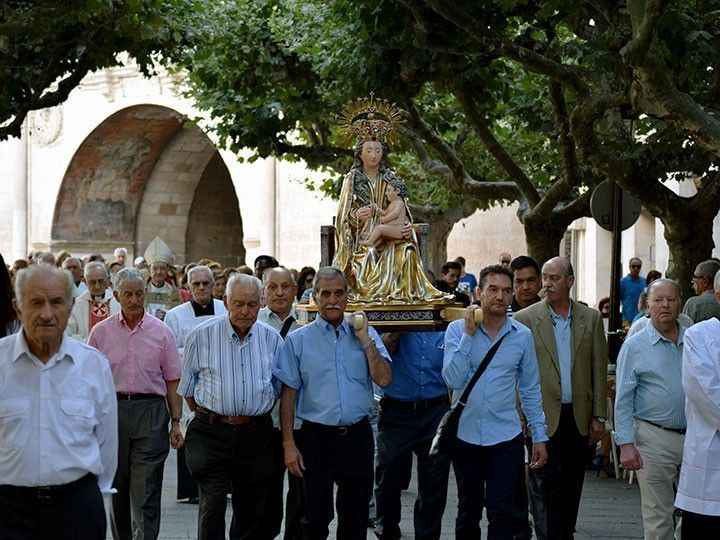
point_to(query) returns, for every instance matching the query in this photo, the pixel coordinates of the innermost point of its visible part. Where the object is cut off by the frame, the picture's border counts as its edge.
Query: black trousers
(521, 514)
(187, 487)
(402, 432)
(699, 526)
(555, 489)
(76, 514)
(342, 457)
(273, 515)
(486, 479)
(240, 455)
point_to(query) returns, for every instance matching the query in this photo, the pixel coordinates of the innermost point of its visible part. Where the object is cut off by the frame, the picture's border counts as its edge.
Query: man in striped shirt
(650, 408)
(226, 380)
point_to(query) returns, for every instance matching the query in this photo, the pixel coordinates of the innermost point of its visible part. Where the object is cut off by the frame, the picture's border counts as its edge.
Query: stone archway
(135, 177)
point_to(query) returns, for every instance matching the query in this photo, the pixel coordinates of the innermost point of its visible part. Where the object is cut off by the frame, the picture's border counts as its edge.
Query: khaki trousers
(661, 452)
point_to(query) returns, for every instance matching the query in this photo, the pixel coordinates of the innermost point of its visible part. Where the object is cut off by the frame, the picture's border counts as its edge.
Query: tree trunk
(543, 237)
(437, 244)
(690, 240)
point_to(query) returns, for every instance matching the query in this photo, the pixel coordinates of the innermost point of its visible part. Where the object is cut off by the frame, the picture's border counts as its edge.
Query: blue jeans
(486, 477)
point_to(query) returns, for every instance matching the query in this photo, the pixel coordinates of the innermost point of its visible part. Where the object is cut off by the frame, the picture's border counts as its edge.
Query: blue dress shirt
(417, 367)
(490, 415)
(330, 372)
(630, 291)
(649, 383)
(562, 328)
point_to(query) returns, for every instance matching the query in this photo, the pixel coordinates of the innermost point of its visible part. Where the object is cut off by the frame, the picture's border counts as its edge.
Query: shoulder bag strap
(480, 370)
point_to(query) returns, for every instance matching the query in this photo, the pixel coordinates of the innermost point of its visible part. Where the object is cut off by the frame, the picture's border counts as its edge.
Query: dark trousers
(521, 515)
(336, 457)
(187, 487)
(402, 432)
(143, 447)
(486, 478)
(273, 514)
(556, 488)
(241, 456)
(77, 514)
(699, 526)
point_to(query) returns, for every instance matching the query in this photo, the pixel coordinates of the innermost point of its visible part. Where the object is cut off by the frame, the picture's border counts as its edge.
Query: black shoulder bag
(446, 435)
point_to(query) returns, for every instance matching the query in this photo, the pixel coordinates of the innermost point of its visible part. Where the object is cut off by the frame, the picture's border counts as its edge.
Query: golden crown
(370, 119)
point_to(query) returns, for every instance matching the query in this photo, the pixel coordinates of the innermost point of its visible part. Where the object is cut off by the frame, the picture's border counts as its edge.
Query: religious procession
(485, 288)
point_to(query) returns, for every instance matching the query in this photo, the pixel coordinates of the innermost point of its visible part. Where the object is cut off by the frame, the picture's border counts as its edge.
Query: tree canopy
(48, 46)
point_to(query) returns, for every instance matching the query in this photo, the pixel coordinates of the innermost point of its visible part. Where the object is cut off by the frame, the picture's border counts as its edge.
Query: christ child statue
(392, 218)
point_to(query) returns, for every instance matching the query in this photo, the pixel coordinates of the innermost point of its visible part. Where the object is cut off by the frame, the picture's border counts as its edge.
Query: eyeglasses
(636, 266)
(198, 283)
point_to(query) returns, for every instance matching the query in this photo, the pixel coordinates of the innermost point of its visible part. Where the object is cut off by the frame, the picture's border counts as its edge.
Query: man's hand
(176, 438)
(470, 325)
(595, 431)
(362, 332)
(539, 456)
(293, 459)
(630, 458)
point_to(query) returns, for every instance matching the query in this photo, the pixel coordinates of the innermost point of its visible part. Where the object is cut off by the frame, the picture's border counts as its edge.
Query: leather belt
(335, 430)
(121, 396)
(210, 417)
(47, 492)
(681, 431)
(421, 405)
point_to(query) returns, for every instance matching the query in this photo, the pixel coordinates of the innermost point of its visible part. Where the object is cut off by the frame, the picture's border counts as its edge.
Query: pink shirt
(141, 359)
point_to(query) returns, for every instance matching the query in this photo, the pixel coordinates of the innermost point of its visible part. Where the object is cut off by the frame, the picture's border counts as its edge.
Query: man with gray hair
(94, 305)
(703, 306)
(58, 425)
(75, 267)
(120, 256)
(226, 380)
(182, 320)
(146, 367)
(650, 408)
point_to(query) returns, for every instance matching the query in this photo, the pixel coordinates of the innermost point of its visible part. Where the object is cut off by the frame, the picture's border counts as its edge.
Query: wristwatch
(175, 420)
(600, 419)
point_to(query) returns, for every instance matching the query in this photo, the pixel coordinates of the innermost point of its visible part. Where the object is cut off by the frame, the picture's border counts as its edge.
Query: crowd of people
(106, 366)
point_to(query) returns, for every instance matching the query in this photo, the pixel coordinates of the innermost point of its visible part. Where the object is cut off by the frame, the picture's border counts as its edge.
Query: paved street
(610, 510)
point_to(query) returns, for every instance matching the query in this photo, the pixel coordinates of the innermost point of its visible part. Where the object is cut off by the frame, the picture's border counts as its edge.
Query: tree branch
(479, 124)
(644, 16)
(430, 165)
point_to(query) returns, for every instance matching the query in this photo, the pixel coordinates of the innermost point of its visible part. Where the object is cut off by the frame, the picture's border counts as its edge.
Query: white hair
(92, 265)
(242, 279)
(127, 275)
(37, 269)
(120, 251)
(200, 268)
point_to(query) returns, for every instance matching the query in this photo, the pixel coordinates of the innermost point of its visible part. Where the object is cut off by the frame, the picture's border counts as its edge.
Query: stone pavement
(610, 509)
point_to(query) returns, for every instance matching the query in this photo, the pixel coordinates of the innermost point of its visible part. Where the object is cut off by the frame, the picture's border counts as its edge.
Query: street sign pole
(615, 330)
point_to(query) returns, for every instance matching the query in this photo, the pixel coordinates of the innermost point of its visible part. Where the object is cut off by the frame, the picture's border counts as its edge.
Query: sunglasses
(198, 283)
(635, 266)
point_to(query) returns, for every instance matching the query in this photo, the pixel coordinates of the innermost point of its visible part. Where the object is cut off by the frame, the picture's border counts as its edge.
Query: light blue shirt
(649, 383)
(562, 328)
(229, 376)
(490, 415)
(330, 372)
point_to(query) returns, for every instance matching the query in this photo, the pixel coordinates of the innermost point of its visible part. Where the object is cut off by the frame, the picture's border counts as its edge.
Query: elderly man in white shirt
(699, 490)
(58, 419)
(182, 320)
(94, 305)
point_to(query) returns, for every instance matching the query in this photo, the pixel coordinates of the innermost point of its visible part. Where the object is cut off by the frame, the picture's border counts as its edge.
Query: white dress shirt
(699, 488)
(58, 421)
(182, 320)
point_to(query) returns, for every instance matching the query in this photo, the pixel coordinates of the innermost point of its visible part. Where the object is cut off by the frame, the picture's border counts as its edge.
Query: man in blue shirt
(467, 282)
(410, 411)
(650, 408)
(490, 440)
(631, 287)
(327, 369)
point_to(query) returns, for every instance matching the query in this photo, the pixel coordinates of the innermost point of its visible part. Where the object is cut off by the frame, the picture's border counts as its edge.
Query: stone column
(14, 159)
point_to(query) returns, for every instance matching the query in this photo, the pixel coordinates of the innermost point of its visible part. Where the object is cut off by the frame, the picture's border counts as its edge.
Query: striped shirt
(649, 383)
(229, 376)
